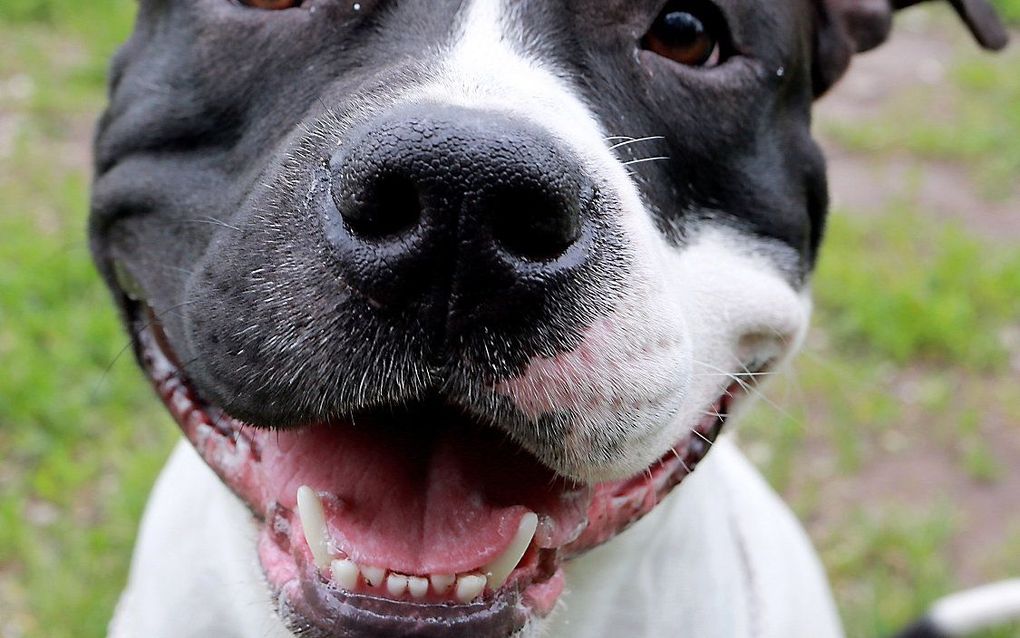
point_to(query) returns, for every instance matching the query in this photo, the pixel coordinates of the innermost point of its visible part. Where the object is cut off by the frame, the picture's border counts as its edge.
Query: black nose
(458, 208)
(484, 170)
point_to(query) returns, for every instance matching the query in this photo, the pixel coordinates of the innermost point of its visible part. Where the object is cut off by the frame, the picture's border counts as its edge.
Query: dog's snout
(459, 200)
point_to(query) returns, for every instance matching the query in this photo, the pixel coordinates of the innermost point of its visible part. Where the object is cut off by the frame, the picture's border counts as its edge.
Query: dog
(446, 295)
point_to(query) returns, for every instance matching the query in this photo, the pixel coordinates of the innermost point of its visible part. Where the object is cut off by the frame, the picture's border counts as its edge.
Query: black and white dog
(446, 294)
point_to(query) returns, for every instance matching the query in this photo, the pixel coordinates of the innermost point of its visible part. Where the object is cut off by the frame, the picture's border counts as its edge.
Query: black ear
(980, 17)
(846, 27)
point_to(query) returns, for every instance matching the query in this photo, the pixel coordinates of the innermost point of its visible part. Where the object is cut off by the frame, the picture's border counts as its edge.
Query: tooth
(442, 582)
(469, 587)
(396, 585)
(500, 569)
(418, 586)
(313, 521)
(374, 576)
(345, 574)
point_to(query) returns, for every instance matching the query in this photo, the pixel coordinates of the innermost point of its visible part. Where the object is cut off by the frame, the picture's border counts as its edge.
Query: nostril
(387, 207)
(535, 224)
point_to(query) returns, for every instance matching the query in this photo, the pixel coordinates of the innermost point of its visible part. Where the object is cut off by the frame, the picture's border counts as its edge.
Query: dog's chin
(371, 526)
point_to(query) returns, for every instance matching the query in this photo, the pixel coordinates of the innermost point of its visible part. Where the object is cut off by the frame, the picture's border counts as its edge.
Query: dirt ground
(919, 54)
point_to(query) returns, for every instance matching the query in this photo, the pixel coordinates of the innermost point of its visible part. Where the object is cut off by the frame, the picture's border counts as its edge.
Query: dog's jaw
(312, 597)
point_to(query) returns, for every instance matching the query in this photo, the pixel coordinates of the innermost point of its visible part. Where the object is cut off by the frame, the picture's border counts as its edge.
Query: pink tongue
(418, 500)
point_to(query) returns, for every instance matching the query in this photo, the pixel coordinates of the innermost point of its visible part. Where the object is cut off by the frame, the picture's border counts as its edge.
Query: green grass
(101, 24)
(883, 562)
(908, 351)
(81, 445)
(910, 290)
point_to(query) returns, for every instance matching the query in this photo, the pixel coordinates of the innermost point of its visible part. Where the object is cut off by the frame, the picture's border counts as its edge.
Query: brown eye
(271, 5)
(692, 33)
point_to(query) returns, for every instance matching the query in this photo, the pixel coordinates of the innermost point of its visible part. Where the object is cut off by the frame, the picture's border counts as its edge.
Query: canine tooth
(396, 584)
(469, 587)
(313, 521)
(500, 569)
(345, 574)
(418, 586)
(442, 582)
(374, 576)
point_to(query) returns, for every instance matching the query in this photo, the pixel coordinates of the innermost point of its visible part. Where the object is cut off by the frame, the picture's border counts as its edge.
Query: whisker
(682, 463)
(747, 387)
(175, 309)
(769, 401)
(630, 141)
(211, 221)
(716, 414)
(643, 160)
(737, 374)
(702, 436)
(722, 373)
(109, 367)
(135, 332)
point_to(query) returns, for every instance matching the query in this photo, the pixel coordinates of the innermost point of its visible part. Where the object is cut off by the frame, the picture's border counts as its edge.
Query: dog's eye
(271, 5)
(689, 32)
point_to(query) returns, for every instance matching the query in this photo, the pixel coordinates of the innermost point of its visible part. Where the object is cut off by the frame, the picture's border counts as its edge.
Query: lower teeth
(348, 575)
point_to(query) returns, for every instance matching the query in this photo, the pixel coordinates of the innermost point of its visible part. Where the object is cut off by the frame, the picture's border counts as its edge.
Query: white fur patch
(690, 317)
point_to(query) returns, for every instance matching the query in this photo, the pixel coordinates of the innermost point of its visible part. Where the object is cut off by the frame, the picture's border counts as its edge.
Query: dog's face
(450, 291)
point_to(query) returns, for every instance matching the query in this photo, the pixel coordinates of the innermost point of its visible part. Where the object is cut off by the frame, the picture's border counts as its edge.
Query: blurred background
(896, 436)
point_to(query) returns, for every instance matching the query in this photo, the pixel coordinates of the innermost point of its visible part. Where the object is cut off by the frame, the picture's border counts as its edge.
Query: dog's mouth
(416, 520)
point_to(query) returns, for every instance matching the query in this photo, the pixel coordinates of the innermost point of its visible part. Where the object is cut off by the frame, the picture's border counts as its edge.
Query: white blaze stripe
(487, 69)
